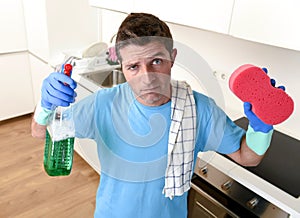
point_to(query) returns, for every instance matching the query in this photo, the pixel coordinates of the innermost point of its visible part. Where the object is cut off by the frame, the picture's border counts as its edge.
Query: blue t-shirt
(132, 142)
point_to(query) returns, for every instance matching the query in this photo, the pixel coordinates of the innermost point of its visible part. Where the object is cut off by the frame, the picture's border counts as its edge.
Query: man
(150, 129)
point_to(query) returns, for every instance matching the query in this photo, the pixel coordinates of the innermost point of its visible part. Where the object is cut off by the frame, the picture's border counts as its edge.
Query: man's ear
(173, 55)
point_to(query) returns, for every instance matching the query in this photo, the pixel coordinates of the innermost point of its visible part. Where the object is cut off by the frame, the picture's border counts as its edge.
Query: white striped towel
(181, 143)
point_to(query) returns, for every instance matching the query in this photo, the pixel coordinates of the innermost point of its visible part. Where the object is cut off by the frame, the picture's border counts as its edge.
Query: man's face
(147, 69)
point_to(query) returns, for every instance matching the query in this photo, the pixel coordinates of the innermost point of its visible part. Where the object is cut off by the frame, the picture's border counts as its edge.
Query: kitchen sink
(106, 78)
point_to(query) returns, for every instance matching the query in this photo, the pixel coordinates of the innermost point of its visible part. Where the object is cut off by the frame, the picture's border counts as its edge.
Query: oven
(215, 194)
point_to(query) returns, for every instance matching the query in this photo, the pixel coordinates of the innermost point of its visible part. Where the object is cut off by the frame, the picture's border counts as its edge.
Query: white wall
(225, 53)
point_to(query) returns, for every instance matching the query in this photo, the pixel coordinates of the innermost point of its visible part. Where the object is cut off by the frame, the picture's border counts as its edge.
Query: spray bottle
(59, 144)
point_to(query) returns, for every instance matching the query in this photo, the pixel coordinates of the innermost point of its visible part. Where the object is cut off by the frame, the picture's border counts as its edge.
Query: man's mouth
(149, 90)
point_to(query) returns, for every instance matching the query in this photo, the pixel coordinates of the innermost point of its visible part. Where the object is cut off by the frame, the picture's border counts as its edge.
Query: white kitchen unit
(269, 22)
(115, 5)
(15, 85)
(86, 148)
(110, 22)
(13, 34)
(211, 15)
(39, 71)
(54, 26)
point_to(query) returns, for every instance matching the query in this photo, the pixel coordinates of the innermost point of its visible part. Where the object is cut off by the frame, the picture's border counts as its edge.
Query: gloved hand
(259, 134)
(57, 90)
(56, 93)
(254, 121)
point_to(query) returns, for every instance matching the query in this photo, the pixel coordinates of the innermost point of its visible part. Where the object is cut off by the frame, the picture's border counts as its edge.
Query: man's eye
(132, 67)
(157, 61)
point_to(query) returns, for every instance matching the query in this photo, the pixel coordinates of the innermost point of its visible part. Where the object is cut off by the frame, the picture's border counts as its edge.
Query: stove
(215, 194)
(280, 165)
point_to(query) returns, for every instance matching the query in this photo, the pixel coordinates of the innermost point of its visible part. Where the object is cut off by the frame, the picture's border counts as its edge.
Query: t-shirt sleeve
(231, 139)
(215, 130)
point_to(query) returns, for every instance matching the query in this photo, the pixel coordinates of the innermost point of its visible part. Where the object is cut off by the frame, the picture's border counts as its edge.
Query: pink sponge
(251, 84)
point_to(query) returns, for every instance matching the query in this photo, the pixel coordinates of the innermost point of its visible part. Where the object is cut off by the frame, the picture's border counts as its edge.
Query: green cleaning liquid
(58, 156)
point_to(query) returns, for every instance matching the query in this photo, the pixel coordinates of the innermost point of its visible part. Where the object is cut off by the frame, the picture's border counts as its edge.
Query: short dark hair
(141, 29)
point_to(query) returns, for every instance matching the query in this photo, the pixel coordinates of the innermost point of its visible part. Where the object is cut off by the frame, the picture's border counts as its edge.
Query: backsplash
(225, 53)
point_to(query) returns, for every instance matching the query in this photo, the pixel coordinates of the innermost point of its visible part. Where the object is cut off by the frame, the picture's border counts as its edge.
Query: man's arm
(256, 141)
(37, 130)
(245, 155)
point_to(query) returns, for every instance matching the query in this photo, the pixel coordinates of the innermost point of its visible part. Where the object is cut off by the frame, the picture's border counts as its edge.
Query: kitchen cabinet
(15, 85)
(86, 148)
(211, 15)
(269, 22)
(115, 5)
(110, 22)
(54, 26)
(13, 34)
(39, 71)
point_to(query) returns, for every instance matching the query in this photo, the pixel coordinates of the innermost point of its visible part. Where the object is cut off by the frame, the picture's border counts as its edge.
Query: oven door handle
(211, 199)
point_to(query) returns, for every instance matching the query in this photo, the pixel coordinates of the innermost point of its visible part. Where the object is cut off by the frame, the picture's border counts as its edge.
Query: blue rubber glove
(57, 90)
(254, 121)
(273, 82)
(259, 134)
(56, 93)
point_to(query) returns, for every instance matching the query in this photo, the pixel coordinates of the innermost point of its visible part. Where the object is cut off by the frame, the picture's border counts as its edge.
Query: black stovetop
(281, 164)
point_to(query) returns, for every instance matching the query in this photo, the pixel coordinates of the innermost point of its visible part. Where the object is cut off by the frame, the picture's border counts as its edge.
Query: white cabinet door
(36, 27)
(87, 148)
(270, 22)
(54, 26)
(12, 31)
(16, 95)
(116, 5)
(213, 15)
(110, 22)
(39, 71)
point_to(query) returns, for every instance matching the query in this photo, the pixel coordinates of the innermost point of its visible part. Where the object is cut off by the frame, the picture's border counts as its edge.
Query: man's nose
(148, 76)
